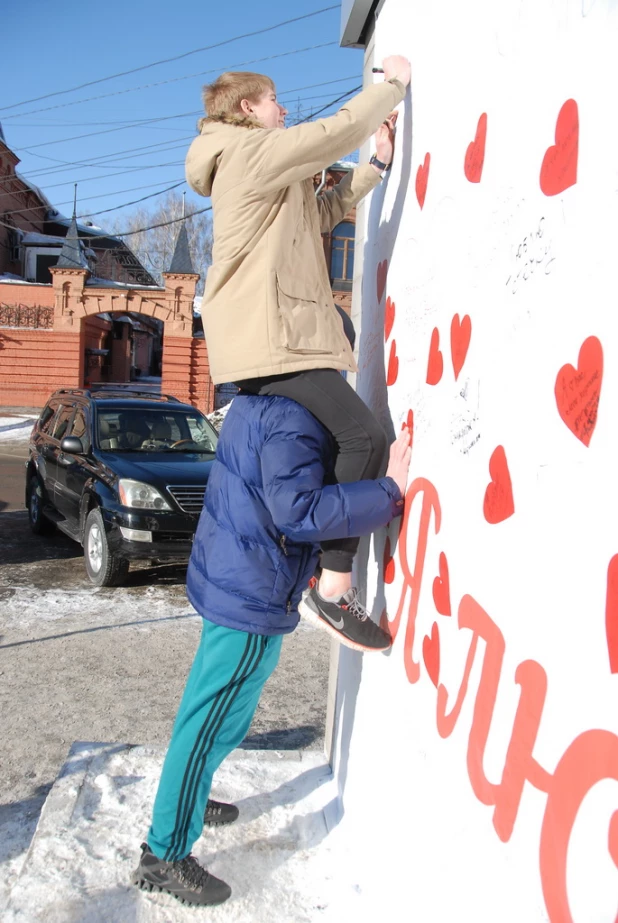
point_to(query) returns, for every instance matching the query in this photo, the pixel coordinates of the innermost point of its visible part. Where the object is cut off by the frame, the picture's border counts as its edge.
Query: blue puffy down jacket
(265, 510)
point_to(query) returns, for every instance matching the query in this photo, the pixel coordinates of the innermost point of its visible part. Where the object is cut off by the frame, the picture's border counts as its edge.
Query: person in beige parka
(269, 319)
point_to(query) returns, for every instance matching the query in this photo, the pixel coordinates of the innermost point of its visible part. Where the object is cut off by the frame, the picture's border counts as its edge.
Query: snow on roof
(9, 278)
(86, 229)
(33, 238)
(109, 283)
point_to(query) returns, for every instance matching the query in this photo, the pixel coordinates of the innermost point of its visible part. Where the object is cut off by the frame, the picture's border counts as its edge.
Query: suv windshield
(155, 430)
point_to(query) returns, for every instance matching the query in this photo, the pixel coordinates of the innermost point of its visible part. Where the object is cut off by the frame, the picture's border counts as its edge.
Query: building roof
(181, 260)
(2, 138)
(72, 254)
(355, 16)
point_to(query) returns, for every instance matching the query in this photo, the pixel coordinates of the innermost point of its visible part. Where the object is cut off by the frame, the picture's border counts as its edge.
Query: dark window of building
(43, 263)
(342, 256)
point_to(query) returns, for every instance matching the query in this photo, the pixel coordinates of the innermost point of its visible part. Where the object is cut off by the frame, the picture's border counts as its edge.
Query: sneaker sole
(144, 885)
(219, 823)
(312, 616)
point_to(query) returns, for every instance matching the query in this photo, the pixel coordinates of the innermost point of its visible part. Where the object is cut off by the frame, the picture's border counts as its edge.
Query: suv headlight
(137, 495)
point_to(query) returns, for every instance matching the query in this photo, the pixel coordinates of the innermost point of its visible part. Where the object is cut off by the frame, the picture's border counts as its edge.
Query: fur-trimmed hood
(216, 133)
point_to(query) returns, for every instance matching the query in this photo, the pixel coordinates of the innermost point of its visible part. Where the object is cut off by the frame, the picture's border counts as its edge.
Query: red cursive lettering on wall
(412, 581)
(590, 758)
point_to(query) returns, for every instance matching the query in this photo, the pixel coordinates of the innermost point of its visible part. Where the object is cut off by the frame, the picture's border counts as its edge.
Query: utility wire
(199, 211)
(178, 57)
(148, 86)
(139, 123)
(99, 195)
(174, 145)
(105, 211)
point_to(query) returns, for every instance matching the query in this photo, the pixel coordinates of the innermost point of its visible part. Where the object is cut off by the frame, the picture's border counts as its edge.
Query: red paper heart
(578, 390)
(559, 167)
(435, 363)
(422, 175)
(431, 654)
(393, 365)
(461, 331)
(381, 278)
(475, 155)
(389, 562)
(442, 588)
(611, 614)
(389, 318)
(498, 504)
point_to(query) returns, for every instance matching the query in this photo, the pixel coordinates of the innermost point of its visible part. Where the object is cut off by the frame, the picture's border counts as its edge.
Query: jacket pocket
(306, 327)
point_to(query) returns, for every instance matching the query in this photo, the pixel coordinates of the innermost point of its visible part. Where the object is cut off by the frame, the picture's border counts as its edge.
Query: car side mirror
(72, 445)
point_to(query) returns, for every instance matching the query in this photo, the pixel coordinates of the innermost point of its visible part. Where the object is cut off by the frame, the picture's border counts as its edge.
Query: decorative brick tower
(69, 277)
(185, 360)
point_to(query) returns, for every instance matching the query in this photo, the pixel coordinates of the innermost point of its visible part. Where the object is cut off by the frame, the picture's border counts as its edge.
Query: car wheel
(39, 524)
(104, 568)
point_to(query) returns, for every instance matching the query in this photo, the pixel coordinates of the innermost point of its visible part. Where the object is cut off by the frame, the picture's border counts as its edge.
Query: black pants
(362, 444)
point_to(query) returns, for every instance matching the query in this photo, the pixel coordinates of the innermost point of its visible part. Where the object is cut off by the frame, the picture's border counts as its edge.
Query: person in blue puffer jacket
(270, 501)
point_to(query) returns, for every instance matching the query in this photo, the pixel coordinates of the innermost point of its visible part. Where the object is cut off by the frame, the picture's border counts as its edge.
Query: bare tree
(155, 248)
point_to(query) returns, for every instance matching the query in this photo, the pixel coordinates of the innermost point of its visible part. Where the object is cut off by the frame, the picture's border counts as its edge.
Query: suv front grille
(189, 499)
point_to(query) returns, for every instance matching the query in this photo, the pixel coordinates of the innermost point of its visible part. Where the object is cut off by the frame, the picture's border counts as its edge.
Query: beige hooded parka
(268, 307)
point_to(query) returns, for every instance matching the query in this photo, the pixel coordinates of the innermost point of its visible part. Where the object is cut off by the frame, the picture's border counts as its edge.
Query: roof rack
(134, 391)
(84, 392)
(100, 390)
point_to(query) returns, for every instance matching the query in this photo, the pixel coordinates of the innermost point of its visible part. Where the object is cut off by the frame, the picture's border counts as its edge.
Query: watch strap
(378, 163)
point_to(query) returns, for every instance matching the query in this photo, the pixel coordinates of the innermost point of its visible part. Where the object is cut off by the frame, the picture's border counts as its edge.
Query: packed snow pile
(277, 857)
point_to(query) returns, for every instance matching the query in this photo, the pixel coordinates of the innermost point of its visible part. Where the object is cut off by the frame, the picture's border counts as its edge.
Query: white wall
(507, 810)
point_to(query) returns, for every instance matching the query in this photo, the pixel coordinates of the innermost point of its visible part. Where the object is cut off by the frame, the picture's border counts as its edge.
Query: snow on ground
(277, 857)
(16, 428)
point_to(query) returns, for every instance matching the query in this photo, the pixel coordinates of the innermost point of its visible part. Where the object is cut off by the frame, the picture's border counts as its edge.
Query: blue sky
(50, 47)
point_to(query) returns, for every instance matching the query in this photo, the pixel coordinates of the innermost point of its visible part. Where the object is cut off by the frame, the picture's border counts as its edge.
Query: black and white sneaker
(184, 879)
(218, 813)
(347, 620)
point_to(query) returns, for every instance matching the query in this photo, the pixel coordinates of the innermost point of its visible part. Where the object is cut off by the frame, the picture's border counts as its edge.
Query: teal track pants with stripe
(217, 707)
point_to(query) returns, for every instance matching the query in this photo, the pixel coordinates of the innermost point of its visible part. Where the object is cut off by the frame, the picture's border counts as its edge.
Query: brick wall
(33, 363)
(186, 372)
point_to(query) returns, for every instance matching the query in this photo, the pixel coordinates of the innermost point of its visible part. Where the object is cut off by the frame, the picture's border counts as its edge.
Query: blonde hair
(222, 98)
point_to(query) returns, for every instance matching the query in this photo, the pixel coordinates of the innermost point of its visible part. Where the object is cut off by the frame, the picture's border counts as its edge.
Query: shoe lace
(357, 609)
(191, 873)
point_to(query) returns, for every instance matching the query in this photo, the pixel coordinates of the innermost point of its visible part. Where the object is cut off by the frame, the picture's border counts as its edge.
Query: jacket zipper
(288, 607)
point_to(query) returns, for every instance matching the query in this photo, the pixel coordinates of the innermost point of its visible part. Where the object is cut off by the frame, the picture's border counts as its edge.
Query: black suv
(122, 472)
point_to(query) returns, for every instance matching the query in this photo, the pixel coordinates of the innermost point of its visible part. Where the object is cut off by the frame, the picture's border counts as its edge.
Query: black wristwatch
(378, 163)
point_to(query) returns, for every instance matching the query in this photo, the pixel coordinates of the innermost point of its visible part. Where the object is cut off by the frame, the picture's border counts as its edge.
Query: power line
(140, 122)
(202, 210)
(145, 148)
(99, 195)
(116, 208)
(178, 57)
(328, 105)
(148, 86)
(173, 145)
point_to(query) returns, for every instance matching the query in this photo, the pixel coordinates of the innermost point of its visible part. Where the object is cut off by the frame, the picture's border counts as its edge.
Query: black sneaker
(184, 879)
(218, 813)
(347, 620)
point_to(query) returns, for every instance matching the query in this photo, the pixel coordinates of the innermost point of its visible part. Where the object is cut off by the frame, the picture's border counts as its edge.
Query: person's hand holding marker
(395, 66)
